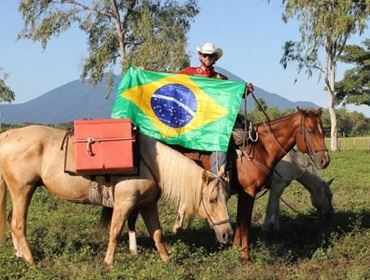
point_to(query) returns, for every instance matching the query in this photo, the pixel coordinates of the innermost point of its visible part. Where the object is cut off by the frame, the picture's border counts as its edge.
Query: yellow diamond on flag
(175, 104)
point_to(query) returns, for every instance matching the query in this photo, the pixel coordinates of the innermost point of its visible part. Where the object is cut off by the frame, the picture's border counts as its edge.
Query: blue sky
(251, 34)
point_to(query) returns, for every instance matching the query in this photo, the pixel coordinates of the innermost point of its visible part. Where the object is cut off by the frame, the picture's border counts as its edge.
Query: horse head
(310, 138)
(322, 201)
(213, 207)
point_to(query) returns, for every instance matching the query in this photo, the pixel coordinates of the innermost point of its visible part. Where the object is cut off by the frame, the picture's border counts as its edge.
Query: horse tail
(106, 217)
(2, 208)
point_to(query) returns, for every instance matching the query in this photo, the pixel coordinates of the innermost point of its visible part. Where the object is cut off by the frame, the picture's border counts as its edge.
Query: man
(208, 55)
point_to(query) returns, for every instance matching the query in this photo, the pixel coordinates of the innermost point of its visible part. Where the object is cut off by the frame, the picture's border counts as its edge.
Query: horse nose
(325, 161)
(328, 215)
(227, 236)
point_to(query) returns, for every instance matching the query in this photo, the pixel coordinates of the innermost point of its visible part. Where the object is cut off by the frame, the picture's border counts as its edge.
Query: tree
(148, 33)
(6, 94)
(325, 26)
(354, 88)
(349, 123)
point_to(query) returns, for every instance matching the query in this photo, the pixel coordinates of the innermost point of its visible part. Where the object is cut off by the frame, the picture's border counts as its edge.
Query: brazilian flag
(192, 111)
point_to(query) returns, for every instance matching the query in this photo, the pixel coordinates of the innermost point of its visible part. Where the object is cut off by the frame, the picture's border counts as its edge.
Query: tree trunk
(119, 31)
(331, 107)
(330, 69)
(333, 123)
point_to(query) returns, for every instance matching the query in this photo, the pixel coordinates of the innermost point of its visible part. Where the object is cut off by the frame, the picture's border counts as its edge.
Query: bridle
(201, 201)
(310, 151)
(211, 222)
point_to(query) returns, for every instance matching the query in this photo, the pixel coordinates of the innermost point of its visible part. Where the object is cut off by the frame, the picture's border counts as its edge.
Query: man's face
(207, 59)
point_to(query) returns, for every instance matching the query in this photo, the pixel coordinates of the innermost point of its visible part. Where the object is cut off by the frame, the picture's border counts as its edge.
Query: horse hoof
(236, 245)
(246, 259)
(176, 230)
(107, 266)
(134, 252)
(166, 258)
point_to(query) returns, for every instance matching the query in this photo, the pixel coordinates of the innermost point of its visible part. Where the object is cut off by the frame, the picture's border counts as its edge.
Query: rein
(268, 125)
(286, 204)
(295, 210)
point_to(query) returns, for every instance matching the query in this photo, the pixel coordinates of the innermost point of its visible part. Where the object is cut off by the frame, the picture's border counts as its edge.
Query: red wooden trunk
(104, 146)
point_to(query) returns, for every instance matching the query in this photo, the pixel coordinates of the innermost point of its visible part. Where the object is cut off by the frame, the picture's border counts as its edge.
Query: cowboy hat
(209, 48)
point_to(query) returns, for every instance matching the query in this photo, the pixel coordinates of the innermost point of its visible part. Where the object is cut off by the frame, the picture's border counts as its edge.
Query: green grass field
(352, 143)
(67, 243)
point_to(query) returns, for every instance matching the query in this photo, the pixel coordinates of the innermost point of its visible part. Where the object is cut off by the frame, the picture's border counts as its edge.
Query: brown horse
(253, 163)
(31, 156)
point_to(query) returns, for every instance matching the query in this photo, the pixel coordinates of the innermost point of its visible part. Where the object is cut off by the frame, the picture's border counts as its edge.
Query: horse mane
(179, 178)
(239, 133)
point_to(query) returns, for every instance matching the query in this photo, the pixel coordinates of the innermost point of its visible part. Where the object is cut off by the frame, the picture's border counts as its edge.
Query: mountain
(271, 99)
(78, 100)
(74, 100)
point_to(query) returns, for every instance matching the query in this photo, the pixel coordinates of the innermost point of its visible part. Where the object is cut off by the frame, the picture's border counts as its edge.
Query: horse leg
(2, 209)
(237, 236)
(132, 232)
(21, 201)
(151, 220)
(239, 215)
(121, 211)
(179, 219)
(244, 214)
(16, 246)
(271, 220)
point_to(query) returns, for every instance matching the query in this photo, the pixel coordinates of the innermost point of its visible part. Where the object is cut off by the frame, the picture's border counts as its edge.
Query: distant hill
(272, 99)
(78, 100)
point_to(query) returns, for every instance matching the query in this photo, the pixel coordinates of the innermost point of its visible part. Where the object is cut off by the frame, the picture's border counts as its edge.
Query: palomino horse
(294, 166)
(31, 156)
(253, 163)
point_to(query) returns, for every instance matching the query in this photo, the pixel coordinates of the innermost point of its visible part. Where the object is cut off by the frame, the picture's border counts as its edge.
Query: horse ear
(319, 111)
(330, 181)
(302, 111)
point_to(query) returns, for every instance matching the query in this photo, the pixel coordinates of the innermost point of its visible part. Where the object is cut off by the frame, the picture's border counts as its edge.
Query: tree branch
(100, 12)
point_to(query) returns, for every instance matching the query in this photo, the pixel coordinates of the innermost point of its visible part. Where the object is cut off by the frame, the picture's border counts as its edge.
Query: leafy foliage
(6, 93)
(324, 26)
(349, 123)
(354, 88)
(148, 33)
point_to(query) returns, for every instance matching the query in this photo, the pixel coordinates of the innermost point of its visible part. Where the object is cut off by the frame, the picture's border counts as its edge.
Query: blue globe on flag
(175, 105)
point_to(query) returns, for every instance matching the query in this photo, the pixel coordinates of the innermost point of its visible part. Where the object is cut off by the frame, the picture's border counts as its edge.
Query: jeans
(217, 160)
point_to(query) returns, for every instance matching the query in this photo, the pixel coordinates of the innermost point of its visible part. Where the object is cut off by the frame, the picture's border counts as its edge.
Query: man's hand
(250, 88)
